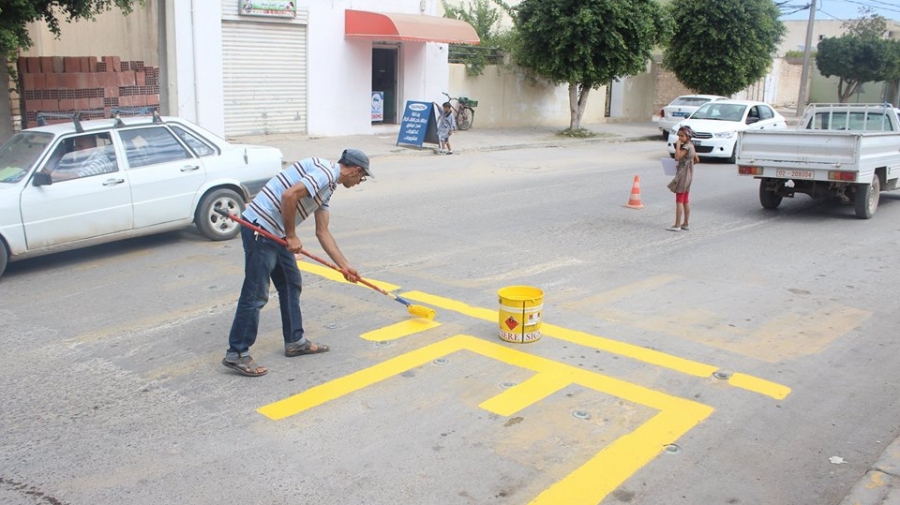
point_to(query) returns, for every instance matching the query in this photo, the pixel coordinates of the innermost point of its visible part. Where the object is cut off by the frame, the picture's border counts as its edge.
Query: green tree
(854, 61)
(722, 46)
(586, 43)
(486, 22)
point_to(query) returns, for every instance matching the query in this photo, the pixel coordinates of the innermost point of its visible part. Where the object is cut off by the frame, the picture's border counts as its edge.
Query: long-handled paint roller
(415, 310)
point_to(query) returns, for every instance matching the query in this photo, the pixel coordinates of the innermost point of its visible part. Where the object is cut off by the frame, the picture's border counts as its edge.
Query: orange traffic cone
(635, 201)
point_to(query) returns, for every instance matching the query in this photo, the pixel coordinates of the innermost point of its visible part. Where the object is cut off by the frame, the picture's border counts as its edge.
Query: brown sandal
(309, 347)
(246, 366)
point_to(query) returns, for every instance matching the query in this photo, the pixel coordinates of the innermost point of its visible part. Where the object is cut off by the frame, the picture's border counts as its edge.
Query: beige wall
(506, 98)
(134, 37)
(637, 97)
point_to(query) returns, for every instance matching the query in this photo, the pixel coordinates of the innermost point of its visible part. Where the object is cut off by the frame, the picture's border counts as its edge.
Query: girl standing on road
(685, 157)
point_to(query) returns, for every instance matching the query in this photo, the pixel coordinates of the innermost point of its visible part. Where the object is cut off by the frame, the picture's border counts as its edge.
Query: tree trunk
(6, 125)
(578, 95)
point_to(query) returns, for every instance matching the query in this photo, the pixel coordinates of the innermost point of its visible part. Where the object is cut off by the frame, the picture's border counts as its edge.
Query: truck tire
(867, 196)
(768, 199)
(4, 257)
(213, 225)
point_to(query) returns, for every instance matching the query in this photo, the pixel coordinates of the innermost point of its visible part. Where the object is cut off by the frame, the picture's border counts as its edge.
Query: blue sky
(840, 9)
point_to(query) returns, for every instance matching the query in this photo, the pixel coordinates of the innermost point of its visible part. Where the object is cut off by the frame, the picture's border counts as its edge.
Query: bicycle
(463, 111)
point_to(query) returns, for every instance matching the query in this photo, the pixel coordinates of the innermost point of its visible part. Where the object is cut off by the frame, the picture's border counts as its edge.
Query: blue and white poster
(419, 124)
(377, 106)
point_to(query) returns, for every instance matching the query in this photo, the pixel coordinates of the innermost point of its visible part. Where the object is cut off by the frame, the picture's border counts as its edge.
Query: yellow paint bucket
(520, 313)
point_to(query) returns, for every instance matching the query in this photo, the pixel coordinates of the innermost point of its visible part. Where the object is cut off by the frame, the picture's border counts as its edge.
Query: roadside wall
(507, 98)
(134, 37)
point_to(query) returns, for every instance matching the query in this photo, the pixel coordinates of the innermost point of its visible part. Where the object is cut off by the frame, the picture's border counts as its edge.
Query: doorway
(384, 79)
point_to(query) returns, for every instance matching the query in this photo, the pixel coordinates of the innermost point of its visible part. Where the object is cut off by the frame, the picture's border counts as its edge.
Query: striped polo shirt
(320, 178)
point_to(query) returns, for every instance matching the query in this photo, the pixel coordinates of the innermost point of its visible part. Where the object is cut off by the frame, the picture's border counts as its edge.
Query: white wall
(193, 62)
(340, 69)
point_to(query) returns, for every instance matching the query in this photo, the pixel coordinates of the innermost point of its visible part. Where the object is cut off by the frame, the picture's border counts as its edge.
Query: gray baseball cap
(359, 158)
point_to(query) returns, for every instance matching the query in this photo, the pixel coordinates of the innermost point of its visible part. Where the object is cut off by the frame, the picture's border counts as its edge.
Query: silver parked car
(680, 109)
(76, 184)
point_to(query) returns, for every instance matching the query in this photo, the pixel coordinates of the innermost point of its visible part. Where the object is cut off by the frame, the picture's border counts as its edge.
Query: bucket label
(533, 318)
(520, 338)
(511, 323)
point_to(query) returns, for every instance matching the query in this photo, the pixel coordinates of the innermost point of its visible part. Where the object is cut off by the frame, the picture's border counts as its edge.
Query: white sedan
(680, 109)
(716, 124)
(81, 183)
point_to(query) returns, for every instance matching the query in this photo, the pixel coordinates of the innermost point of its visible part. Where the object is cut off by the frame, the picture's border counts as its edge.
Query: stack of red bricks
(85, 84)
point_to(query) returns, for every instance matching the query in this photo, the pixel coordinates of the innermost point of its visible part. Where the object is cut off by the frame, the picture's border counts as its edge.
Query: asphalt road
(751, 360)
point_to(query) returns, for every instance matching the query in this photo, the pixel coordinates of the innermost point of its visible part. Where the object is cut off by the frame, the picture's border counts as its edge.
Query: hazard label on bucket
(511, 323)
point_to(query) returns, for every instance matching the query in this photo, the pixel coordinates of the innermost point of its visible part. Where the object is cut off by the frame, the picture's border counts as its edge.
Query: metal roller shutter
(265, 77)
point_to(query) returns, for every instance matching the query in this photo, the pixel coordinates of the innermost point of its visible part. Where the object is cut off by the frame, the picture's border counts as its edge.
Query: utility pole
(804, 74)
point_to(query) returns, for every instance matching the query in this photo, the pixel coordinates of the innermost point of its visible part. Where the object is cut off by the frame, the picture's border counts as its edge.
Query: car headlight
(723, 135)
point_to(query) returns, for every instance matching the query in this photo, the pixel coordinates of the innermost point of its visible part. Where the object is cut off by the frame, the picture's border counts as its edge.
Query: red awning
(421, 28)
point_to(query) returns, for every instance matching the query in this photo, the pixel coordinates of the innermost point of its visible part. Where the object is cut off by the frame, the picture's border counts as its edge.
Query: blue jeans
(265, 259)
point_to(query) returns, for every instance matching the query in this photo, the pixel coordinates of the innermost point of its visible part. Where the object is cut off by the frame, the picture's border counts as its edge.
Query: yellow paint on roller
(762, 386)
(587, 485)
(399, 330)
(334, 275)
(446, 303)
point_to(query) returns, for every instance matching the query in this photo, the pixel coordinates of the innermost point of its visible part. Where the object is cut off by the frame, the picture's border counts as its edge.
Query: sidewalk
(881, 483)
(384, 141)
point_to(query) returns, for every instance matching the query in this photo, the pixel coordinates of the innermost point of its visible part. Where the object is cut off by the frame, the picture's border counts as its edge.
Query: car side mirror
(751, 120)
(41, 179)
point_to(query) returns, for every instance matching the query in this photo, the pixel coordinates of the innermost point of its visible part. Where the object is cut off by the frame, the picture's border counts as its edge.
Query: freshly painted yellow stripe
(334, 275)
(758, 385)
(638, 353)
(355, 381)
(516, 398)
(587, 485)
(401, 329)
(608, 469)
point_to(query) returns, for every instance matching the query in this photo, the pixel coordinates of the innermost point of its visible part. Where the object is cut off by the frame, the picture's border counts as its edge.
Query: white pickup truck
(851, 151)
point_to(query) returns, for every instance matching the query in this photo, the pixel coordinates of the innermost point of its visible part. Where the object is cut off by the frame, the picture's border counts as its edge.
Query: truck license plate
(794, 174)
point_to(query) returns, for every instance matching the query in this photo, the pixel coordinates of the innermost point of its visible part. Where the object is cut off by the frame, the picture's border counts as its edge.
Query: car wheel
(733, 157)
(767, 198)
(4, 257)
(214, 225)
(665, 135)
(867, 196)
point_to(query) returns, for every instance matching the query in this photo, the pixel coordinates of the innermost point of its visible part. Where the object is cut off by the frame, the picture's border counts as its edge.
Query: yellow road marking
(516, 398)
(334, 275)
(638, 353)
(401, 329)
(588, 484)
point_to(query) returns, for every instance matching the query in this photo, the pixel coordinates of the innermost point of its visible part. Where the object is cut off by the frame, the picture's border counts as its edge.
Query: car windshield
(690, 101)
(20, 153)
(721, 112)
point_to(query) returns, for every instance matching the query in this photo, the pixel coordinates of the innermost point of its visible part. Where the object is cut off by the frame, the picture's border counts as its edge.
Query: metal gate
(265, 72)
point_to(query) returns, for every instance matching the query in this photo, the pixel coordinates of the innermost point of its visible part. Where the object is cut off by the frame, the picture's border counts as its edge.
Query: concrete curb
(413, 151)
(881, 484)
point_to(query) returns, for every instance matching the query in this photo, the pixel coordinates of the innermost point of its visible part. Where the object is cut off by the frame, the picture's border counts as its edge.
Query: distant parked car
(680, 109)
(76, 184)
(716, 124)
